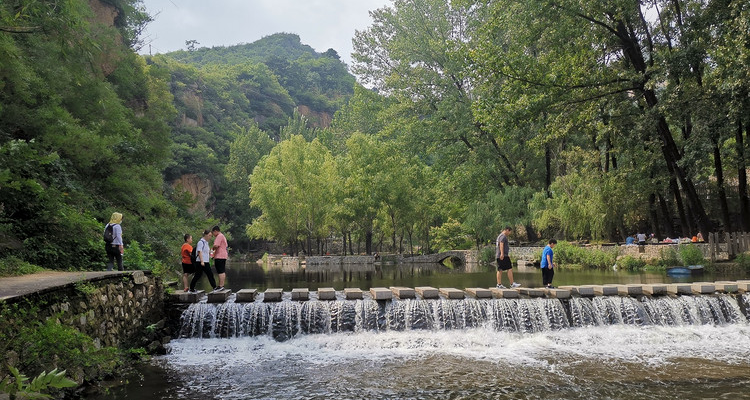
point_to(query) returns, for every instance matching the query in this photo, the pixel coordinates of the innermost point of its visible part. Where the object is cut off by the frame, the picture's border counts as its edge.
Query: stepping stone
(479, 293)
(703, 288)
(630, 290)
(583, 291)
(403, 292)
(557, 293)
(272, 295)
(452, 293)
(427, 292)
(381, 293)
(300, 294)
(220, 296)
(246, 296)
(606, 290)
(531, 292)
(504, 293)
(727, 286)
(655, 289)
(353, 293)
(680, 288)
(187, 297)
(326, 294)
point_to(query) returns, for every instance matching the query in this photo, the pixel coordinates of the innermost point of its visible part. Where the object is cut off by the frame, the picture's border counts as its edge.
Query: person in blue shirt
(630, 241)
(548, 266)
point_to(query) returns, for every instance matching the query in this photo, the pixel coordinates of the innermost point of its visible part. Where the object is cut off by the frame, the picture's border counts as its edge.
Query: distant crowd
(641, 239)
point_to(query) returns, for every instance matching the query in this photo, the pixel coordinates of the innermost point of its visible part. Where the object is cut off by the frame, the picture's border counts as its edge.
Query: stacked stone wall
(113, 310)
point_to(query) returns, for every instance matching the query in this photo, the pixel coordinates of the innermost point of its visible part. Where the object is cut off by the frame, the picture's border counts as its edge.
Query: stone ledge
(353, 294)
(427, 292)
(452, 293)
(403, 292)
(381, 293)
(246, 296)
(326, 294)
(300, 294)
(272, 295)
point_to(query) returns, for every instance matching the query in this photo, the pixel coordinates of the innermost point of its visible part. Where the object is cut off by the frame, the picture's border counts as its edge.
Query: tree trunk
(724, 205)
(653, 214)
(548, 170)
(351, 250)
(742, 178)
(368, 241)
(632, 51)
(680, 207)
(666, 216)
(343, 238)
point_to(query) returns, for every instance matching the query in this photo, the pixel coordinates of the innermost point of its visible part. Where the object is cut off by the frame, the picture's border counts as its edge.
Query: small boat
(689, 270)
(678, 271)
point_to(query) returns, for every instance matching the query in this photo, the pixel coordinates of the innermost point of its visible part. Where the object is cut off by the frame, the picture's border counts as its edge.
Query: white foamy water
(615, 361)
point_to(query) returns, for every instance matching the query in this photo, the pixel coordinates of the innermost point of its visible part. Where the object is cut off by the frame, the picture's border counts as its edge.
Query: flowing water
(598, 348)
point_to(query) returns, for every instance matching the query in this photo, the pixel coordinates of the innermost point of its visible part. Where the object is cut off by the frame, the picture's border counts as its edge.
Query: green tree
(292, 186)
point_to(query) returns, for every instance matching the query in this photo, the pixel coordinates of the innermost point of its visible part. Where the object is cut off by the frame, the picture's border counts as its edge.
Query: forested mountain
(223, 93)
(88, 127)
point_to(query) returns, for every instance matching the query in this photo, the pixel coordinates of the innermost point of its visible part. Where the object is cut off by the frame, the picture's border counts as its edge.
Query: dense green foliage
(568, 119)
(36, 345)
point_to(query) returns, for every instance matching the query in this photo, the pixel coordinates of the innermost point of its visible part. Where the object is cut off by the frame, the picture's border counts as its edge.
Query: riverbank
(87, 323)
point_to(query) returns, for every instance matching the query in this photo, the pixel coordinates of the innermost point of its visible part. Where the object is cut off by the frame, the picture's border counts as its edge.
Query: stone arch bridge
(462, 256)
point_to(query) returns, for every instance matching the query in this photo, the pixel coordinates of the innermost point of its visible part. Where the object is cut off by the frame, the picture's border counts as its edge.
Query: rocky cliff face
(199, 188)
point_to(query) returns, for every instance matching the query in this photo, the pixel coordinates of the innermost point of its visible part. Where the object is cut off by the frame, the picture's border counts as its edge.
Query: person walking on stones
(113, 242)
(220, 255)
(188, 266)
(503, 259)
(548, 266)
(202, 253)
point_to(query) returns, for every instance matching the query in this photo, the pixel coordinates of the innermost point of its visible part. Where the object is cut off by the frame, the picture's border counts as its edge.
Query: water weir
(286, 319)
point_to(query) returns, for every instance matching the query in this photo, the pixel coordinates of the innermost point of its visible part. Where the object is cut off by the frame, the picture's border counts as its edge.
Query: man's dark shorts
(188, 268)
(504, 264)
(221, 265)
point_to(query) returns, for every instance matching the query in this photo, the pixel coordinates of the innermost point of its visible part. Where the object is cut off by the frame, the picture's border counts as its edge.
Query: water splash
(287, 319)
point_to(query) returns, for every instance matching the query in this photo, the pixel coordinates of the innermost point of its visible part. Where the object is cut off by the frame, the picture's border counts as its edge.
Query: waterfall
(287, 319)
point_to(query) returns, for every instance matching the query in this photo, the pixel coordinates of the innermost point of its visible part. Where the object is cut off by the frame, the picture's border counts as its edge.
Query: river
(698, 359)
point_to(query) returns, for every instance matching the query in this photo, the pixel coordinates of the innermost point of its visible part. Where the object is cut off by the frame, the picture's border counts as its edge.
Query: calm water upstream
(698, 354)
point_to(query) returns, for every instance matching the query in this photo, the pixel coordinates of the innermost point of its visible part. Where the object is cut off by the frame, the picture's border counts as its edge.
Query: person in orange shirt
(187, 261)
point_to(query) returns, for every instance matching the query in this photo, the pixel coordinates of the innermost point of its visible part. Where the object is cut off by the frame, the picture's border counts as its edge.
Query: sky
(321, 24)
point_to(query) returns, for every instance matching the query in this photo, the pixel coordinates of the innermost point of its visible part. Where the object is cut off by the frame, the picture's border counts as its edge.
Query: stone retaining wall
(113, 310)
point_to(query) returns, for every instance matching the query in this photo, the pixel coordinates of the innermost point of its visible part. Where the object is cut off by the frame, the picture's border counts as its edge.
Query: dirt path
(42, 282)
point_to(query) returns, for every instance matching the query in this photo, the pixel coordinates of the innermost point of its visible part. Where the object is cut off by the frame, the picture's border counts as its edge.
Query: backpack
(194, 255)
(109, 234)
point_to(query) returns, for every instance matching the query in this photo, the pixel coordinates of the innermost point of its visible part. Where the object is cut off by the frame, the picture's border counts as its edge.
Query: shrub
(630, 263)
(691, 255)
(53, 344)
(12, 265)
(668, 257)
(743, 260)
(487, 255)
(567, 253)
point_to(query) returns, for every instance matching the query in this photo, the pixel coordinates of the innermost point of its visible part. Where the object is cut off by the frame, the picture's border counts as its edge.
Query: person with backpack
(187, 260)
(202, 258)
(113, 242)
